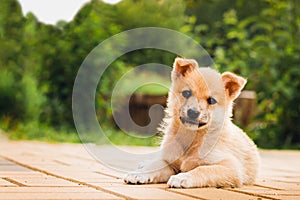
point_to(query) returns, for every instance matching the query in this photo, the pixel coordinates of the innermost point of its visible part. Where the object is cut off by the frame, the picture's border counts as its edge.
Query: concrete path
(34, 170)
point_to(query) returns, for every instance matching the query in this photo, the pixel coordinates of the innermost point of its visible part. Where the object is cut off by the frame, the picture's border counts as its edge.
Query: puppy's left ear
(233, 84)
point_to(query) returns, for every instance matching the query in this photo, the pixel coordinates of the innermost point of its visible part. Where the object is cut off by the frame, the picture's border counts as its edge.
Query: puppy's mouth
(191, 122)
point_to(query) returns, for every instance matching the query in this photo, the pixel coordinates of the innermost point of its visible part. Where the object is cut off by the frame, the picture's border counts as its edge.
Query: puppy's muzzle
(193, 114)
(192, 118)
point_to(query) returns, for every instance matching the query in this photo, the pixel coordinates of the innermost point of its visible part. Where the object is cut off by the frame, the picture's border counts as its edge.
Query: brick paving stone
(146, 192)
(36, 170)
(269, 192)
(279, 184)
(29, 193)
(43, 181)
(216, 194)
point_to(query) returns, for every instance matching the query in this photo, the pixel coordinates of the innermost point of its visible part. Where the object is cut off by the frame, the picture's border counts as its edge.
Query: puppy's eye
(186, 93)
(211, 101)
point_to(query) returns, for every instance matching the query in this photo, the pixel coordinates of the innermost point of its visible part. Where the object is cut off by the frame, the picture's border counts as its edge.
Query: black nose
(193, 114)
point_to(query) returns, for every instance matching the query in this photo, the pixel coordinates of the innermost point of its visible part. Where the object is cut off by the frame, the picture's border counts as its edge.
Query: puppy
(201, 146)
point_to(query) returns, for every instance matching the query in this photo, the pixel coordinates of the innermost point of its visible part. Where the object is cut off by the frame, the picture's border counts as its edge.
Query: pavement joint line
(105, 174)
(62, 163)
(282, 181)
(67, 179)
(14, 182)
(268, 187)
(189, 195)
(252, 194)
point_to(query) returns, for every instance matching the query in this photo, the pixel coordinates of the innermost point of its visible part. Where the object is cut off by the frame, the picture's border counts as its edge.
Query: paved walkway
(34, 170)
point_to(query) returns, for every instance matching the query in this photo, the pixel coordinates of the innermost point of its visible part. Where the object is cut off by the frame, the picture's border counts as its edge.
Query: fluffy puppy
(201, 146)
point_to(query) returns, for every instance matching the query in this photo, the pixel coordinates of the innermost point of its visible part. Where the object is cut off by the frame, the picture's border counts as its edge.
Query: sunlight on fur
(201, 146)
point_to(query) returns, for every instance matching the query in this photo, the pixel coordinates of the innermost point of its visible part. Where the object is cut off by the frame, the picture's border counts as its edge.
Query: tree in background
(258, 39)
(263, 47)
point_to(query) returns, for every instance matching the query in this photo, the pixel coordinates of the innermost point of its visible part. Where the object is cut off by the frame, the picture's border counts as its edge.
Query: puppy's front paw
(137, 178)
(181, 180)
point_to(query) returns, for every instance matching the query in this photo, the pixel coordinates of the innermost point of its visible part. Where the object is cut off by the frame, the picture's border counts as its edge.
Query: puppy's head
(201, 97)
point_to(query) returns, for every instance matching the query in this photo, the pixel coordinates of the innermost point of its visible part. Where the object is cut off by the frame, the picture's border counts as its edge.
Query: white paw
(181, 180)
(138, 178)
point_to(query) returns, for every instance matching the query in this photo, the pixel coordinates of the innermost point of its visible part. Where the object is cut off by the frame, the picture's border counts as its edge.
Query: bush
(8, 99)
(264, 48)
(31, 98)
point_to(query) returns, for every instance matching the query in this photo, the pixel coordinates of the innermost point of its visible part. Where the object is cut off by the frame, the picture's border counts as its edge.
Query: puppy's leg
(225, 173)
(157, 171)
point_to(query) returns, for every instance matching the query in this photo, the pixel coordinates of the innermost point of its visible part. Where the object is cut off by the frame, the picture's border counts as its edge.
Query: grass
(144, 82)
(152, 89)
(118, 137)
(156, 84)
(38, 132)
(34, 131)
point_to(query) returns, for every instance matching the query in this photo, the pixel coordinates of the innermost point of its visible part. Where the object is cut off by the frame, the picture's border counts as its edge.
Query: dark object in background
(141, 114)
(244, 108)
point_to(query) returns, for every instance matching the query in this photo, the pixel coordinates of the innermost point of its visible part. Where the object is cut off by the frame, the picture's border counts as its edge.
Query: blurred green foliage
(264, 47)
(39, 62)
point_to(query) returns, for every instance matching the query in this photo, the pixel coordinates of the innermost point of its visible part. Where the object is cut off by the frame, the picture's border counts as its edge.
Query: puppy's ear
(233, 84)
(182, 66)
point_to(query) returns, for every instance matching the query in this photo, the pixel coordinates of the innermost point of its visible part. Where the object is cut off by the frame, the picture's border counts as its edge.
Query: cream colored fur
(212, 153)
